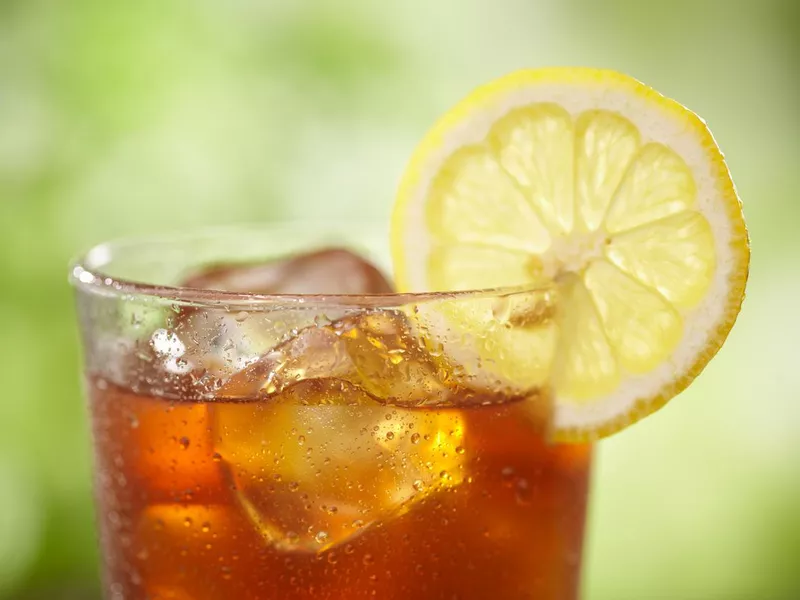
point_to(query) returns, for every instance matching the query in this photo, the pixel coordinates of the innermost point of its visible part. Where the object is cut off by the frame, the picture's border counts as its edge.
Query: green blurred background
(120, 118)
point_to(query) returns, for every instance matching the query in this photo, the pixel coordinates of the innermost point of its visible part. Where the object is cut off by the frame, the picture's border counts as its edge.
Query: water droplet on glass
(184, 442)
(507, 474)
(321, 537)
(523, 491)
(415, 438)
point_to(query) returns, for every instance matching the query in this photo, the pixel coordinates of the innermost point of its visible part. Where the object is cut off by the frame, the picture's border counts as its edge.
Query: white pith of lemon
(590, 182)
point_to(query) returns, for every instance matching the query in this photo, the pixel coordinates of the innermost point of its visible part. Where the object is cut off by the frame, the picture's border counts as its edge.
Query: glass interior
(150, 264)
(347, 445)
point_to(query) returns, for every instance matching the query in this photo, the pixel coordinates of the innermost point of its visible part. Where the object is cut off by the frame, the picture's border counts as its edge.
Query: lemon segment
(605, 143)
(585, 365)
(465, 267)
(675, 256)
(591, 184)
(474, 193)
(657, 184)
(534, 146)
(500, 343)
(642, 327)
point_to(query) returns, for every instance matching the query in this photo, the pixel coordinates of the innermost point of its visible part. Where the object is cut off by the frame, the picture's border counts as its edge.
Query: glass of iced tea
(272, 421)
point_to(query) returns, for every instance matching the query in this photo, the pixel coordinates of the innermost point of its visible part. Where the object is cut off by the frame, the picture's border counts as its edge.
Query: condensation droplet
(523, 491)
(507, 474)
(321, 537)
(415, 438)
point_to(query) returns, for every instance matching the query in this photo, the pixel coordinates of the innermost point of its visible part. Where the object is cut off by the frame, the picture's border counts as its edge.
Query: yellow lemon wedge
(592, 185)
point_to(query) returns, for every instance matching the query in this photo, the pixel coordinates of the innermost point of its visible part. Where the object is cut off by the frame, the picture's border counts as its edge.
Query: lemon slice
(593, 183)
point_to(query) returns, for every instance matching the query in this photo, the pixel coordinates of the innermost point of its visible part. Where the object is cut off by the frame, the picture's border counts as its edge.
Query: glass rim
(86, 274)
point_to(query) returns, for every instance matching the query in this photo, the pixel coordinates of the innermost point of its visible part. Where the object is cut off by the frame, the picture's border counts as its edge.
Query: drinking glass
(311, 443)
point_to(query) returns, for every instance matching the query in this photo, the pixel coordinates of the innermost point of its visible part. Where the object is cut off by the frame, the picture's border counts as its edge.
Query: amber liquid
(270, 499)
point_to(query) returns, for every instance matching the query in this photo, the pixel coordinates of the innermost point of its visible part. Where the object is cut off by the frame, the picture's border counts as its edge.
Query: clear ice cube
(329, 271)
(321, 462)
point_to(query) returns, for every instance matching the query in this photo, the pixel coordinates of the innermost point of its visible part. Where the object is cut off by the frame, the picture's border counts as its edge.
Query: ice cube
(329, 271)
(219, 344)
(374, 350)
(321, 462)
(316, 352)
(214, 344)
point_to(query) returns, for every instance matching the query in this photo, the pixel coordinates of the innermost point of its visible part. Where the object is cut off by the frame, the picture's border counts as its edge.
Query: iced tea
(318, 451)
